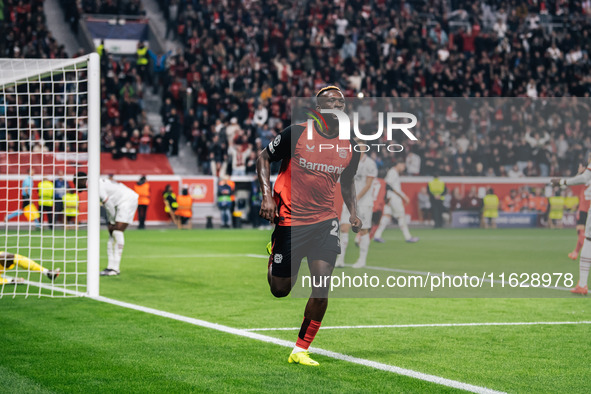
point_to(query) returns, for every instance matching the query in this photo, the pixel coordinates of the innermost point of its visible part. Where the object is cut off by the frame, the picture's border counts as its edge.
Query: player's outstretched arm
(580, 179)
(268, 207)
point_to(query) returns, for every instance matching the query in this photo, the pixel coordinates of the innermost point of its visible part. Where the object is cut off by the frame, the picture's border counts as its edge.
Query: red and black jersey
(305, 188)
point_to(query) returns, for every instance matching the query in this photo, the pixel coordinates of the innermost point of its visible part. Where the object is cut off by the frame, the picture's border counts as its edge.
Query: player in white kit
(366, 173)
(120, 202)
(395, 205)
(585, 257)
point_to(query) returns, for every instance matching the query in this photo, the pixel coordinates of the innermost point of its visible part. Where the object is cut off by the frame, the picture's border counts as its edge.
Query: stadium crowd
(24, 31)
(227, 89)
(110, 7)
(239, 67)
(43, 125)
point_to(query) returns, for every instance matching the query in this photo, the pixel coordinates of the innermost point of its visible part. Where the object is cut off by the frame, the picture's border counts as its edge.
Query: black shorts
(582, 218)
(319, 241)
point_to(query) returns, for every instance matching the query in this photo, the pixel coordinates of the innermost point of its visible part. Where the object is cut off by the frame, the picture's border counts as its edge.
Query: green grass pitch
(81, 345)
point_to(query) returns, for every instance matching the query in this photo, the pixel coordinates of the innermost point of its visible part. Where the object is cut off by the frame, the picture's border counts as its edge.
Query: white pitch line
(206, 255)
(199, 255)
(327, 353)
(51, 287)
(533, 323)
(258, 256)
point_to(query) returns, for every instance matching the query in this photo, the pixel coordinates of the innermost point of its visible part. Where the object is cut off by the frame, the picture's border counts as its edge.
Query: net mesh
(43, 144)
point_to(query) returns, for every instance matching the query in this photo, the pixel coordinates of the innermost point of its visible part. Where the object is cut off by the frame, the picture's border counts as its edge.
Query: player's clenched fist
(355, 223)
(268, 209)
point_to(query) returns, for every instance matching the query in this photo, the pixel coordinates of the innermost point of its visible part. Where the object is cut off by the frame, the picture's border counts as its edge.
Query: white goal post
(49, 131)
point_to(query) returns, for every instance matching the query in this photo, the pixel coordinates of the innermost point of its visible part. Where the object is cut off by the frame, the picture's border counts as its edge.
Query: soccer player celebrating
(120, 202)
(364, 177)
(302, 206)
(9, 260)
(395, 205)
(585, 259)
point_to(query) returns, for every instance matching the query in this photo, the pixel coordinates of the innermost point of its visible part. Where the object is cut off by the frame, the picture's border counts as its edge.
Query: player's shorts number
(335, 228)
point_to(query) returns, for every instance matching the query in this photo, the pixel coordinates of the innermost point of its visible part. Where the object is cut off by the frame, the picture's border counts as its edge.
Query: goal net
(49, 131)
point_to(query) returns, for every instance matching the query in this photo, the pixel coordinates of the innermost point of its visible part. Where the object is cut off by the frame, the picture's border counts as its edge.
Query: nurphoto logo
(390, 121)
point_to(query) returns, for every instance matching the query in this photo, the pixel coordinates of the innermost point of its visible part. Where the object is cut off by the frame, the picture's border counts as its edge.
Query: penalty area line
(327, 353)
(533, 323)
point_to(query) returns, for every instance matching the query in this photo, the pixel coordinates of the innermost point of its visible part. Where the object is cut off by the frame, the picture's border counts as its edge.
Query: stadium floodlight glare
(50, 130)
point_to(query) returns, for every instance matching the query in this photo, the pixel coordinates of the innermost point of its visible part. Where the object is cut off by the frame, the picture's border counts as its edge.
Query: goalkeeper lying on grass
(9, 260)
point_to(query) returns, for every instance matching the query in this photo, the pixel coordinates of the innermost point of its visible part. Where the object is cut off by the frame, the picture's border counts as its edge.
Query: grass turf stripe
(327, 353)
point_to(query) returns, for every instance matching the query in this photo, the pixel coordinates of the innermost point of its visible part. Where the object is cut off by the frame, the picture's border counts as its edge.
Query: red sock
(373, 230)
(307, 333)
(580, 240)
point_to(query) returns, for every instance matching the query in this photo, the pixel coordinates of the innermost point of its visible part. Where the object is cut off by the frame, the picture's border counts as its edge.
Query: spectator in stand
(457, 200)
(531, 169)
(251, 168)
(510, 202)
(523, 199)
(230, 57)
(537, 202)
(413, 163)
(471, 201)
(239, 152)
(129, 151)
(217, 156)
(261, 115)
(173, 132)
(145, 143)
(161, 143)
(515, 172)
(159, 69)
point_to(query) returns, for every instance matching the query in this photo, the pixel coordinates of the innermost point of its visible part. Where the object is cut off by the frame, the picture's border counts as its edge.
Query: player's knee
(279, 291)
(280, 287)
